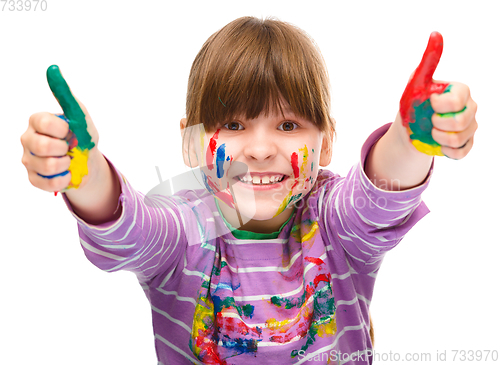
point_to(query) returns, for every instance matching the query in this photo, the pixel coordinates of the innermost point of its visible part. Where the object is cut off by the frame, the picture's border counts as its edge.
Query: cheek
(305, 167)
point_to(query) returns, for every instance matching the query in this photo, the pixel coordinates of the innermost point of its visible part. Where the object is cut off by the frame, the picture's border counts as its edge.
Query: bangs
(252, 67)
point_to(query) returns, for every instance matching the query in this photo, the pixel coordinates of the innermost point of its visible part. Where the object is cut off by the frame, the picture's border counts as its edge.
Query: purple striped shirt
(221, 297)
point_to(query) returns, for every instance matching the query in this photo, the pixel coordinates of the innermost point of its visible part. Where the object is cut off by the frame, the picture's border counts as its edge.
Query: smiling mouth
(261, 180)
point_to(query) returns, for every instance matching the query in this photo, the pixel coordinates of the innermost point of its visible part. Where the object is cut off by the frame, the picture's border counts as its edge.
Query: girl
(276, 259)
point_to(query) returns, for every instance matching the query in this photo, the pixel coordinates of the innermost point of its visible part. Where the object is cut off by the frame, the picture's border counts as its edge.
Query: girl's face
(259, 168)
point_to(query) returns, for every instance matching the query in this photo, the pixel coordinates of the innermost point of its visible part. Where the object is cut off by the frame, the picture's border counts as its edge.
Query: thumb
(422, 78)
(70, 107)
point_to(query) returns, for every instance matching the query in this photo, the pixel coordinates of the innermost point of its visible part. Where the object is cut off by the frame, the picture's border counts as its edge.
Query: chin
(263, 213)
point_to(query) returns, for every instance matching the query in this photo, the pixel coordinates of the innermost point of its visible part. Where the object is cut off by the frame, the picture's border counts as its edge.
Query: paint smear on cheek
(294, 160)
(221, 157)
(295, 164)
(305, 155)
(211, 150)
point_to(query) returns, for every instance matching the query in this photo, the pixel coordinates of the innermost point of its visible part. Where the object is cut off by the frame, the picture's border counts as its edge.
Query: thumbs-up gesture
(58, 150)
(440, 117)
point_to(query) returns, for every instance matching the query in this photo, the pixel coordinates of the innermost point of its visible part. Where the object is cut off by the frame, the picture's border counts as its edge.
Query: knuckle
(42, 146)
(452, 140)
(44, 124)
(34, 117)
(24, 161)
(473, 106)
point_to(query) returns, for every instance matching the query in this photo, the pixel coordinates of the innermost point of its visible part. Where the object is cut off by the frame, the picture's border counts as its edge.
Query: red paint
(224, 195)
(321, 277)
(209, 353)
(295, 164)
(55, 193)
(233, 327)
(421, 85)
(212, 146)
(314, 260)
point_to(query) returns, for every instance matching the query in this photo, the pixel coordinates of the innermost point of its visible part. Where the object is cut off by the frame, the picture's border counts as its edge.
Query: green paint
(451, 114)
(423, 125)
(311, 334)
(70, 107)
(447, 90)
(246, 310)
(216, 270)
(313, 150)
(289, 303)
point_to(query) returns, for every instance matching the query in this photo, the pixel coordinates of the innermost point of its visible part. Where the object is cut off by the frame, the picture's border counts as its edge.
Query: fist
(440, 118)
(58, 148)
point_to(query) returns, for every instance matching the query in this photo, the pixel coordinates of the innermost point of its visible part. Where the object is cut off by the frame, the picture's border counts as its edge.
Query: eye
(288, 126)
(233, 126)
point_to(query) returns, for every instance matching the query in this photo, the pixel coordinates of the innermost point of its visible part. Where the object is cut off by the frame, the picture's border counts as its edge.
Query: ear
(188, 147)
(327, 147)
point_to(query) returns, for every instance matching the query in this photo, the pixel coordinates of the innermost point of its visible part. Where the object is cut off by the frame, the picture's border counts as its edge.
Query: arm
(434, 119)
(97, 201)
(394, 164)
(118, 231)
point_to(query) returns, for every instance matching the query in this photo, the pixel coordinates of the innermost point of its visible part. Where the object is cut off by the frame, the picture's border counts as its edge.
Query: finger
(454, 139)
(47, 166)
(425, 70)
(458, 153)
(45, 146)
(55, 184)
(453, 101)
(458, 121)
(49, 125)
(70, 106)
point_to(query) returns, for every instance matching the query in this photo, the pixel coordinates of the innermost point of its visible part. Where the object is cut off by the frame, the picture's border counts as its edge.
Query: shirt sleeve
(366, 220)
(146, 239)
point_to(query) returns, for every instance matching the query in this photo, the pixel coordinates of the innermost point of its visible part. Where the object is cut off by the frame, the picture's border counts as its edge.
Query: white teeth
(261, 180)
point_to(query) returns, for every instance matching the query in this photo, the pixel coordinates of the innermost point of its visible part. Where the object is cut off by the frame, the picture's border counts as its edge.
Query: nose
(261, 146)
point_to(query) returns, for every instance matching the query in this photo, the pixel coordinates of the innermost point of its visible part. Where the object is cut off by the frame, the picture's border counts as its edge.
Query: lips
(261, 178)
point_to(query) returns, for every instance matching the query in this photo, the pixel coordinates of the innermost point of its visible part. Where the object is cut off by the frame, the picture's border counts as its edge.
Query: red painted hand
(415, 106)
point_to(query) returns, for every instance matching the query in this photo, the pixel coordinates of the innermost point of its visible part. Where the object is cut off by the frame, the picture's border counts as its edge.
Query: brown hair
(253, 66)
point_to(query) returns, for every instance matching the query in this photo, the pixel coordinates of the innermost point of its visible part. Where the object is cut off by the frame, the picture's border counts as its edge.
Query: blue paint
(241, 345)
(205, 181)
(219, 161)
(56, 175)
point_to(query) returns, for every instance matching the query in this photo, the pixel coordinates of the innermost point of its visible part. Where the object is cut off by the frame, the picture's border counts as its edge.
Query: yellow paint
(328, 329)
(311, 233)
(202, 320)
(427, 149)
(78, 166)
(284, 204)
(285, 325)
(305, 155)
(274, 324)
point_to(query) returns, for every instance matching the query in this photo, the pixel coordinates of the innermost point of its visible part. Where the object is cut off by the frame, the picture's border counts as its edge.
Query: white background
(128, 62)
